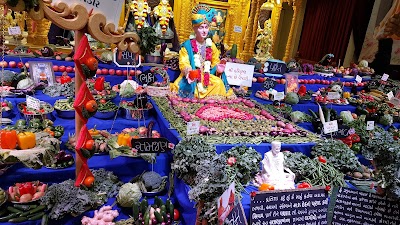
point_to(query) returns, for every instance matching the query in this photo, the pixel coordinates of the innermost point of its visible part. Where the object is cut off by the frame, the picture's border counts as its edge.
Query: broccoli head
(151, 180)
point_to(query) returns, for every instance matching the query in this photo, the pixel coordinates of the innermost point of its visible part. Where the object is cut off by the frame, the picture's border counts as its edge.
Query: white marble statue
(273, 171)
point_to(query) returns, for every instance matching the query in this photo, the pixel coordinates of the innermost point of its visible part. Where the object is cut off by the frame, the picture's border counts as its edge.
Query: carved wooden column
(295, 23)
(276, 16)
(251, 30)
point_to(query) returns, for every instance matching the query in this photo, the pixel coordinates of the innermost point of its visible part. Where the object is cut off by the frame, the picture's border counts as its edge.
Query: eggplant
(317, 124)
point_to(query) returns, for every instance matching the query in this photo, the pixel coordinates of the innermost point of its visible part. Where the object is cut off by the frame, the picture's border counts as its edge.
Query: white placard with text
(239, 74)
(237, 29)
(32, 102)
(193, 127)
(330, 127)
(333, 95)
(358, 79)
(390, 95)
(370, 125)
(279, 96)
(14, 30)
(385, 77)
(111, 9)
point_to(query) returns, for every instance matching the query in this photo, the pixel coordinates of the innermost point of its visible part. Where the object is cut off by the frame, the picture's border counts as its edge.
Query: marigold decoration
(163, 12)
(198, 58)
(140, 10)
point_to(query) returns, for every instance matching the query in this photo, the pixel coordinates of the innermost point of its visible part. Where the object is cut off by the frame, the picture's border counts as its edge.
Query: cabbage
(128, 88)
(292, 98)
(25, 83)
(298, 117)
(129, 194)
(386, 120)
(346, 117)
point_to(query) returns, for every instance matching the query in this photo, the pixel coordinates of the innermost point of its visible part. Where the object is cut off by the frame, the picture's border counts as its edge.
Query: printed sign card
(239, 74)
(288, 207)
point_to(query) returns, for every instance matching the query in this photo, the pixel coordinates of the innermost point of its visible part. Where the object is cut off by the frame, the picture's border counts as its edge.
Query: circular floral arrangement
(163, 73)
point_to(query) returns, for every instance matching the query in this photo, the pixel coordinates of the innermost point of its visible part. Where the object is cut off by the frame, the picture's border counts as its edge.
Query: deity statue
(140, 9)
(273, 171)
(202, 72)
(265, 42)
(163, 13)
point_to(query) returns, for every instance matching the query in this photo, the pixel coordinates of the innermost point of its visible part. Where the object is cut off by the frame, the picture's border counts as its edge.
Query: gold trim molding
(236, 18)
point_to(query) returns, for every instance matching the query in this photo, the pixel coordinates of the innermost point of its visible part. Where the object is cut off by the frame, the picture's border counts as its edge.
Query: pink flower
(206, 80)
(171, 146)
(194, 45)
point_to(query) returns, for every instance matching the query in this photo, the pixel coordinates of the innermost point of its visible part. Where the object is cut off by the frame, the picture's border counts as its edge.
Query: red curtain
(326, 29)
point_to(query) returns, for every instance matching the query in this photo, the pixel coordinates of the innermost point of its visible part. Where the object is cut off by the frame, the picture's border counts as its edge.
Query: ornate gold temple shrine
(242, 22)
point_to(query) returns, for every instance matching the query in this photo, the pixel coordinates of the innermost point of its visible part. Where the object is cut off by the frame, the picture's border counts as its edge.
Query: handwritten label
(237, 29)
(226, 202)
(357, 207)
(151, 145)
(342, 132)
(269, 83)
(193, 127)
(358, 79)
(390, 95)
(306, 206)
(239, 74)
(32, 102)
(370, 125)
(385, 77)
(275, 67)
(279, 96)
(14, 30)
(111, 9)
(126, 59)
(237, 216)
(146, 77)
(330, 127)
(395, 101)
(333, 95)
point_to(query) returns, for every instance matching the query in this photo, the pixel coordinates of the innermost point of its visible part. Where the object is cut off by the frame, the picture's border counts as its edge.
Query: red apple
(331, 82)
(317, 81)
(260, 79)
(69, 69)
(118, 72)
(27, 65)
(312, 81)
(98, 71)
(111, 71)
(125, 72)
(300, 81)
(20, 64)
(278, 81)
(62, 68)
(55, 68)
(306, 81)
(104, 71)
(132, 72)
(12, 64)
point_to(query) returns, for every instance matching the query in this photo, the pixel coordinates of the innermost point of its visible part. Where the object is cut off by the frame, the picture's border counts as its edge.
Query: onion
(286, 131)
(270, 117)
(289, 126)
(187, 118)
(174, 102)
(230, 102)
(203, 101)
(203, 129)
(193, 100)
(273, 133)
(280, 124)
(293, 130)
(210, 101)
(186, 100)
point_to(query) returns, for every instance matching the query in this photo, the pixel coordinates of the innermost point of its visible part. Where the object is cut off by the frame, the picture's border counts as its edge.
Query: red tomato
(231, 161)
(278, 81)
(12, 64)
(20, 64)
(91, 106)
(125, 72)
(92, 63)
(321, 159)
(89, 181)
(283, 81)
(306, 81)
(111, 71)
(69, 69)
(4, 64)
(104, 71)
(98, 71)
(103, 101)
(62, 68)
(118, 72)
(301, 81)
(55, 68)
(317, 81)
(176, 214)
(89, 144)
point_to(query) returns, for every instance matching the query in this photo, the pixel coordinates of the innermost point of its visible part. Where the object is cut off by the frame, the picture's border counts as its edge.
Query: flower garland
(207, 62)
(164, 13)
(140, 9)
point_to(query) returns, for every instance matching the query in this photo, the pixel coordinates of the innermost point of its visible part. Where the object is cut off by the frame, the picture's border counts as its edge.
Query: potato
(366, 175)
(357, 175)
